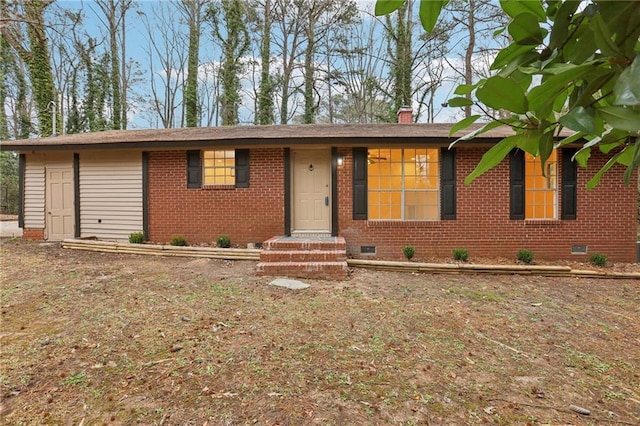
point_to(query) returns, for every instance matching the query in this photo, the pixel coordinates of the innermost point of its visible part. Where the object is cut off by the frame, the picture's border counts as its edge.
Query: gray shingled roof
(246, 136)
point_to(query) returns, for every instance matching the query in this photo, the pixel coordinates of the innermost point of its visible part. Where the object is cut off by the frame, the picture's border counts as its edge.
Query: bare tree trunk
(123, 62)
(37, 57)
(468, 57)
(309, 68)
(192, 10)
(265, 94)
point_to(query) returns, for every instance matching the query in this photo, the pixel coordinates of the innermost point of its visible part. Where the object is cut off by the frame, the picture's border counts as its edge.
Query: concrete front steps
(304, 257)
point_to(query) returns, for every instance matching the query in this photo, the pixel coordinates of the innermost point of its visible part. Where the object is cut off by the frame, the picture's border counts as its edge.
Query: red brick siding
(33, 234)
(607, 219)
(247, 215)
(405, 115)
(606, 223)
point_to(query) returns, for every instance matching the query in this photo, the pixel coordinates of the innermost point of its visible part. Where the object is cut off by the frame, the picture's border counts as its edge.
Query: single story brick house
(379, 187)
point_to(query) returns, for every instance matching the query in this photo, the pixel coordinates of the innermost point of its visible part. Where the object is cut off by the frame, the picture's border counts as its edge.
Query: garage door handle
(326, 201)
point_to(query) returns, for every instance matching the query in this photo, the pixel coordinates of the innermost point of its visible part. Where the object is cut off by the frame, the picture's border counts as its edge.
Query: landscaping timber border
(383, 265)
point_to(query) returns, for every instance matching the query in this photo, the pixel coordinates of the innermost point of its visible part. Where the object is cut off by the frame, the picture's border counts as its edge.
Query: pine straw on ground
(97, 338)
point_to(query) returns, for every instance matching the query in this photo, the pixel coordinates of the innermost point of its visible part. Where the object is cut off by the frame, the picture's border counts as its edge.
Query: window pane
(540, 188)
(219, 167)
(403, 184)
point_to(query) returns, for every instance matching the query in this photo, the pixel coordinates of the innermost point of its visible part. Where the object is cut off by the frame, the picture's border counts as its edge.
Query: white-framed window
(403, 183)
(218, 167)
(541, 189)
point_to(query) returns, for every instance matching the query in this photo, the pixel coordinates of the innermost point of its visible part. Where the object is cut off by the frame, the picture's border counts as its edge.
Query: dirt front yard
(94, 338)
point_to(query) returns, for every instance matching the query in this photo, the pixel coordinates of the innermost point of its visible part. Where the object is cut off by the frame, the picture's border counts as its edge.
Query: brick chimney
(405, 115)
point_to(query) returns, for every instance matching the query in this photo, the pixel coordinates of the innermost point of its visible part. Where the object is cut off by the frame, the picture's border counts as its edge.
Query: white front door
(59, 207)
(311, 180)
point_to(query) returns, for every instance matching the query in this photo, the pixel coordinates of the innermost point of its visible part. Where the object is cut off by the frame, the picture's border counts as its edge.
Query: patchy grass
(99, 338)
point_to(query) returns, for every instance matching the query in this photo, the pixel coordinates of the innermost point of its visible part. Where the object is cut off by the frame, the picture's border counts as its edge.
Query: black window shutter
(448, 184)
(517, 184)
(360, 183)
(194, 169)
(242, 168)
(569, 185)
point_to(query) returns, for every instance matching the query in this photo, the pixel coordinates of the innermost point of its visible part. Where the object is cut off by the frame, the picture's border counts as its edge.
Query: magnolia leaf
(465, 89)
(463, 124)
(581, 49)
(552, 55)
(519, 64)
(591, 10)
(429, 12)
(635, 162)
(626, 155)
(580, 119)
(545, 148)
(548, 90)
(525, 29)
(561, 68)
(569, 139)
(490, 125)
(612, 161)
(503, 93)
(509, 54)
(607, 147)
(459, 102)
(528, 141)
(524, 80)
(597, 79)
(385, 7)
(582, 156)
(561, 23)
(598, 139)
(623, 118)
(603, 37)
(627, 88)
(514, 8)
(493, 157)
(560, 102)
(552, 7)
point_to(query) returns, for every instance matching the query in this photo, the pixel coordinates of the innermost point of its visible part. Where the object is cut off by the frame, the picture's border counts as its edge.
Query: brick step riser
(303, 256)
(321, 270)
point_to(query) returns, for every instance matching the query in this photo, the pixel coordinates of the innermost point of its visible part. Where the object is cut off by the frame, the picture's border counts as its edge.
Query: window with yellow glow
(541, 188)
(219, 167)
(403, 184)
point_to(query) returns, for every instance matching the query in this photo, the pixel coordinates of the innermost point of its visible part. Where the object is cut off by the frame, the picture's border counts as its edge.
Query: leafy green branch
(570, 68)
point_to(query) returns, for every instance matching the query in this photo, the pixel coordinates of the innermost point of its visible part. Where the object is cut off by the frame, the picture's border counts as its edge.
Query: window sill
(403, 223)
(217, 187)
(542, 222)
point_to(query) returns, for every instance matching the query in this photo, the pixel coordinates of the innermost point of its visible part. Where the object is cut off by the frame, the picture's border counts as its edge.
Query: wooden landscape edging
(381, 265)
(458, 268)
(162, 250)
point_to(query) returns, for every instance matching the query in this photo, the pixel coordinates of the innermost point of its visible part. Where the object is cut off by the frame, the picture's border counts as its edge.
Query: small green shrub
(178, 240)
(598, 259)
(461, 254)
(223, 241)
(136, 238)
(409, 252)
(525, 256)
